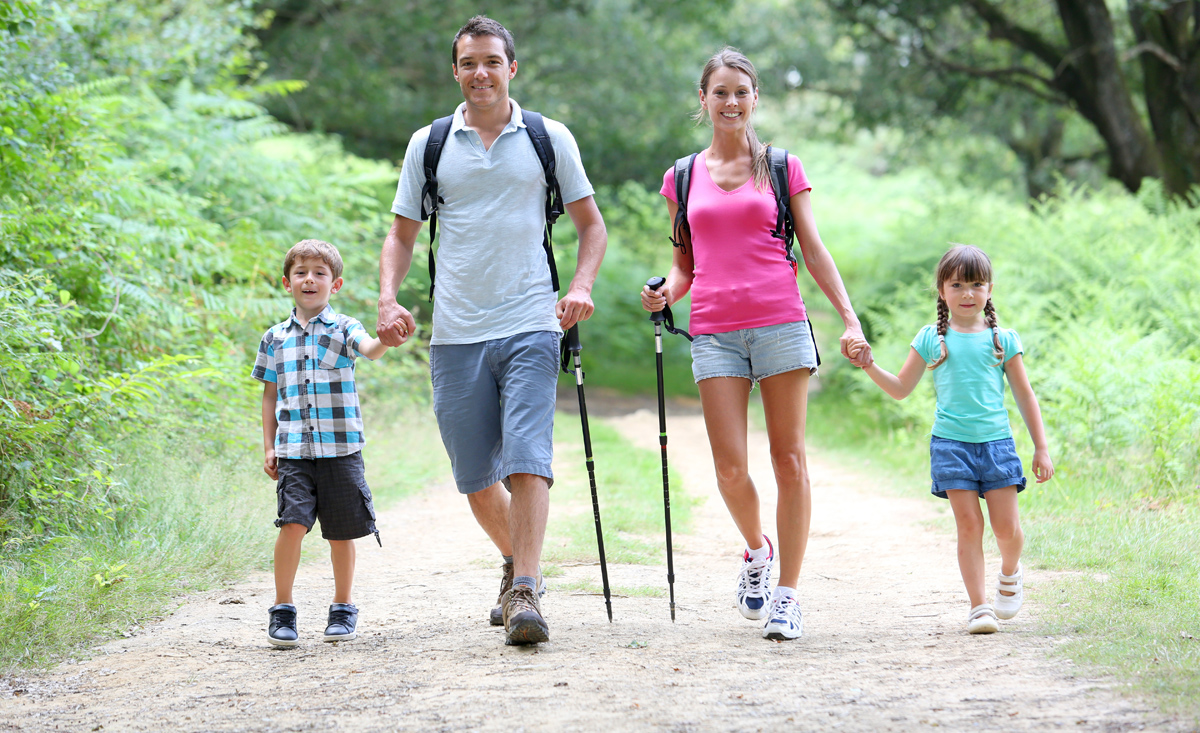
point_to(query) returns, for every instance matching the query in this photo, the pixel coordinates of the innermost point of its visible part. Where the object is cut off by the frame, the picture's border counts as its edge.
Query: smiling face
(965, 297)
(483, 71)
(311, 283)
(729, 98)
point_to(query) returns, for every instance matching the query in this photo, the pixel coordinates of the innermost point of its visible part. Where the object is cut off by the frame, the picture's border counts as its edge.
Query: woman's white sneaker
(785, 622)
(1007, 606)
(754, 584)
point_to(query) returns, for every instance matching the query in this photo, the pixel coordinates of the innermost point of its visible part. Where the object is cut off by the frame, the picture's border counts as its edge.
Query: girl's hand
(654, 300)
(858, 351)
(1043, 469)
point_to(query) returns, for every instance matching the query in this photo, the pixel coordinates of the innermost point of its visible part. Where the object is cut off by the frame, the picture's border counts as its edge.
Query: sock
(507, 559)
(527, 581)
(761, 553)
(782, 591)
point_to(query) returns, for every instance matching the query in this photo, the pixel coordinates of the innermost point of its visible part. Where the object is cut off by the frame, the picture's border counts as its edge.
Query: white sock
(761, 553)
(782, 591)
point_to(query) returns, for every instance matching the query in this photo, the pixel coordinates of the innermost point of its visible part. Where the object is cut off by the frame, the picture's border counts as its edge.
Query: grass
(1128, 602)
(630, 491)
(619, 591)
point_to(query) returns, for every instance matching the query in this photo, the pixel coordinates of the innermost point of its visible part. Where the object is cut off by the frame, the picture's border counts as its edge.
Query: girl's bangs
(965, 264)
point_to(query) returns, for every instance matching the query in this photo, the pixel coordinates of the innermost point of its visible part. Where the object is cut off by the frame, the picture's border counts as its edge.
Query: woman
(750, 326)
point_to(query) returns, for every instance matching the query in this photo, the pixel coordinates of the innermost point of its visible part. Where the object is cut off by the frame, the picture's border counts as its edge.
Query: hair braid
(943, 323)
(989, 311)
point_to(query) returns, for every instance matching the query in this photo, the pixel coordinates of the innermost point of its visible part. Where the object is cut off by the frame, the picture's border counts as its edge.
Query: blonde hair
(965, 263)
(735, 59)
(313, 249)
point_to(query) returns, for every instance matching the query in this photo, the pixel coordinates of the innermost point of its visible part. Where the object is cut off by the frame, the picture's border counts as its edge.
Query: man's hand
(271, 464)
(395, 323)
(575, 306)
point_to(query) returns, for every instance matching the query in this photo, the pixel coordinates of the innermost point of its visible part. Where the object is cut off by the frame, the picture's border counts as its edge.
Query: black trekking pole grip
(655, 283)
(572, 344)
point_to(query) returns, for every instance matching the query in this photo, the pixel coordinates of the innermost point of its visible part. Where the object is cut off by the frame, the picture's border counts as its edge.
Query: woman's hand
(654, 300)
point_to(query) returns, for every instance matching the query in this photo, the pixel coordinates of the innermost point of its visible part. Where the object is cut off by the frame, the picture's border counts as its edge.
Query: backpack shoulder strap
(535, 126)
(439, 132)
(681, 232)
(785, 227)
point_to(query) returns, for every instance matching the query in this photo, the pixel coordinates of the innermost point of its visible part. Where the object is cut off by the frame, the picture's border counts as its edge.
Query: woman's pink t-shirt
(742, 276)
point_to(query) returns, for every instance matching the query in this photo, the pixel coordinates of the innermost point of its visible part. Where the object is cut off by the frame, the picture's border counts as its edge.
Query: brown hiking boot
(497, 615)
(523, 622)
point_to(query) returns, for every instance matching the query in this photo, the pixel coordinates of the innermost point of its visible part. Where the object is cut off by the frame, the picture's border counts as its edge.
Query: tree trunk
(1170, 59)
(1090, 74)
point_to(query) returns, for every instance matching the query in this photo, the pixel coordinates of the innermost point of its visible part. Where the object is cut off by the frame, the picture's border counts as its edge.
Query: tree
(1072, 55)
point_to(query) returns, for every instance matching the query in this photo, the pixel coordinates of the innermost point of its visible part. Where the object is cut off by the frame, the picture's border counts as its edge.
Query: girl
(972, 454)
(751, 326)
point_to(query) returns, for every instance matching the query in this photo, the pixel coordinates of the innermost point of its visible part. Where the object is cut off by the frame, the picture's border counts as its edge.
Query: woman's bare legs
(785, 405)
(725, 400)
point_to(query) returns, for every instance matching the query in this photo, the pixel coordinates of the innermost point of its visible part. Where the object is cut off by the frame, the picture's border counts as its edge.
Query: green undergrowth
(1121, 586)
(630, 490)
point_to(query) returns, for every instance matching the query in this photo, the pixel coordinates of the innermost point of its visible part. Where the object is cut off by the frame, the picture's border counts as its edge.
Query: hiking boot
(785, 621)
(754, 584)
(523, 622)
(281, 629)
(496, 617)
(343, 618)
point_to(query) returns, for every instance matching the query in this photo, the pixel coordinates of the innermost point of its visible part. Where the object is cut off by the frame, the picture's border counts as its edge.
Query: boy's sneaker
(785, 622)
(496, 617)
(343, 618)
(754, 584)
(281, 630)
(523, 622)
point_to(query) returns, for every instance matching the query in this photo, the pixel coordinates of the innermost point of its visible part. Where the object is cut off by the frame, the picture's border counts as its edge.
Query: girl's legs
(785, 403)
(342, 555)
(969, 519)
(287, 560)
(1006, 525)
(725, 400)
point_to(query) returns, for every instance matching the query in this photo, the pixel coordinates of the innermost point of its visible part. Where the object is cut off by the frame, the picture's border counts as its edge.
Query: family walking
(492, 178)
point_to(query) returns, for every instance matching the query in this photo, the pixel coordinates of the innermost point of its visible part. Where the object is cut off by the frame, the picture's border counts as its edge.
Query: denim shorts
(494, 402)
(333, 490)
(755, 353)
(980, 467)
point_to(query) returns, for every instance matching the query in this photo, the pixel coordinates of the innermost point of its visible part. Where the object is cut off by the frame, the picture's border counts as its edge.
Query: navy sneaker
(343, 618)
(281, 631)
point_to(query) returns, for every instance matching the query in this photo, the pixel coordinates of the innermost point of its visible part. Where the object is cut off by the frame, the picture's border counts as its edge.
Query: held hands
(856, 349)
(1042, 467)
(654, 300)
(271, 465)
(399, 324)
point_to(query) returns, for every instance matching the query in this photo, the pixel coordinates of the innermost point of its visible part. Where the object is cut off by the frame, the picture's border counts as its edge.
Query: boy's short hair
(481, 25)
(313, 249)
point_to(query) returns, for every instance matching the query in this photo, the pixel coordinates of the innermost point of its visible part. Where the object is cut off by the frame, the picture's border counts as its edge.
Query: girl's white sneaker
(785, 622)
(982, 620)
(1007, 606)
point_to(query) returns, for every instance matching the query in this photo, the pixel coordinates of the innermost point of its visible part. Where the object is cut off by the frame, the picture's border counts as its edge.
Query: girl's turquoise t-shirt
(970, 391)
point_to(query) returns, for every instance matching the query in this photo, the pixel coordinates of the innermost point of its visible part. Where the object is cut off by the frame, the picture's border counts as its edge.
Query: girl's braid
(943, 323)
(989, 311)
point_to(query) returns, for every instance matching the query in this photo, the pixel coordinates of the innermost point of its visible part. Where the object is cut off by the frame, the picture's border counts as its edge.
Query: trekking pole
(658, 318)
(572, 346)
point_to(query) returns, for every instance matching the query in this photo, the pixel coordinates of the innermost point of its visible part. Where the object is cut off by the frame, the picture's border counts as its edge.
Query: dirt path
(884, 646)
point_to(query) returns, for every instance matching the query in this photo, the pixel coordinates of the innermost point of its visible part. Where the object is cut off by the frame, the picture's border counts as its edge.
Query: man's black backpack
(785, 228)
(536, 127)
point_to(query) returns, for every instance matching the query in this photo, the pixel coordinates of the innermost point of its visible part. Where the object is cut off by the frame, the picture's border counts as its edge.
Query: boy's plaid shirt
(313, 368)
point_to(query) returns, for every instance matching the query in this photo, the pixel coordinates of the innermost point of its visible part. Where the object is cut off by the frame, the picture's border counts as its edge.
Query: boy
(313, 434)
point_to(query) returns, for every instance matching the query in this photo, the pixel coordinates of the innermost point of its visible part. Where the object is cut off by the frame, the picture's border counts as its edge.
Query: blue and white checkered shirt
(313, 367)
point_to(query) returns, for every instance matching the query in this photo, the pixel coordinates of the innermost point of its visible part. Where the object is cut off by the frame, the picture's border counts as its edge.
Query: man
(496, 326)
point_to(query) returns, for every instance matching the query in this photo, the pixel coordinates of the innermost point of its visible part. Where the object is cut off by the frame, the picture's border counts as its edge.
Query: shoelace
(751, 579)
(340, 617)
(523, 599)
(284, 617)
(783, 610)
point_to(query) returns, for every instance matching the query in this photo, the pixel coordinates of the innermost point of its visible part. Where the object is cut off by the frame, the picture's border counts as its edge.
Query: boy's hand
(271, 465)
(395, 323)
(1043, 469)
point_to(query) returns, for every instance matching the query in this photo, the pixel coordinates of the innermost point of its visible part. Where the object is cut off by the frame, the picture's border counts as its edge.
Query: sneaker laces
(784, 607)
(751, 580)
(340, 617)
(284, 616)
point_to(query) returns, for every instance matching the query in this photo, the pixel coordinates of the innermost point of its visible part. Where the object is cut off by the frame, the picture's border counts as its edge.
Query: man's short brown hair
(313, 249)
(481, 25)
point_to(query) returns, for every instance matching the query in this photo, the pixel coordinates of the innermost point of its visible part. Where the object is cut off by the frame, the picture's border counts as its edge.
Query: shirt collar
(326, 316)
(517, 120)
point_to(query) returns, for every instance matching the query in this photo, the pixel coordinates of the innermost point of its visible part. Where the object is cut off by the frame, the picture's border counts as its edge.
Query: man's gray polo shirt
(492, 277)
